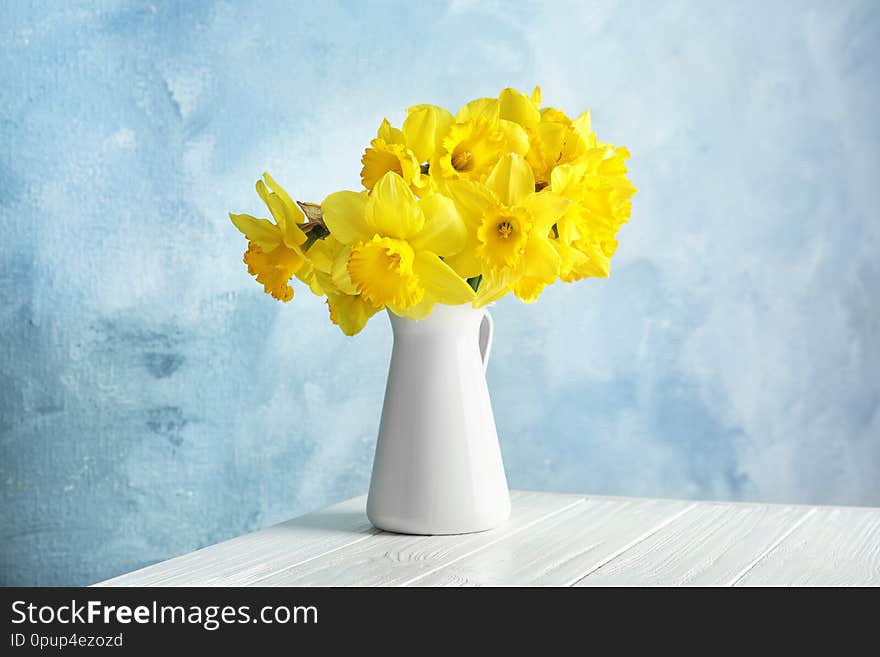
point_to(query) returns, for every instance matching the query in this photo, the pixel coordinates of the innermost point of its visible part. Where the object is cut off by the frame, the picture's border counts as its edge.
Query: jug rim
(442, 310)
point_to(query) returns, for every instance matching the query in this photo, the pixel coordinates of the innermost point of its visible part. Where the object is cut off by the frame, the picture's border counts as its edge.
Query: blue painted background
(154, 400)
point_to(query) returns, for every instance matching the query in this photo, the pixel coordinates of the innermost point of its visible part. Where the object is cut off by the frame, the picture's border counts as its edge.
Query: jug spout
(438, 466)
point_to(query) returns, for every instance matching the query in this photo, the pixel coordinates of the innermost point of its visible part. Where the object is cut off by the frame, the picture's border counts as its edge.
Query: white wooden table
(550, 540)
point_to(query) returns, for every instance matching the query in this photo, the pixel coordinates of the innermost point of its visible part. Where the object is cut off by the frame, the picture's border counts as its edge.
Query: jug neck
(443, 319)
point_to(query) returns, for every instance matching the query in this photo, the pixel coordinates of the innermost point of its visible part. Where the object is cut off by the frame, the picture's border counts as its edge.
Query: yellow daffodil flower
(475, 142)
(586, 234)
(554, 139)
(350, 312)
(504, 196)
(395, 244)
(425, 128)
(275, 252)
(405, 151)
(470, 150)
(389, 152)
(509, 228)
(348, 309)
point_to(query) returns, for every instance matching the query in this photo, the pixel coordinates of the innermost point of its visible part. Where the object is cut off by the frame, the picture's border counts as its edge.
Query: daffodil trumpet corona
(505, 196)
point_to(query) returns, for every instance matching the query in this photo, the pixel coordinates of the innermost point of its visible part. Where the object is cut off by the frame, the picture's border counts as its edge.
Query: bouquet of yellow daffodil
(505, 196)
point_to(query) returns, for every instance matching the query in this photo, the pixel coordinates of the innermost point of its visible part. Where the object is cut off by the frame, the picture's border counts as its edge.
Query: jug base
(421, 527)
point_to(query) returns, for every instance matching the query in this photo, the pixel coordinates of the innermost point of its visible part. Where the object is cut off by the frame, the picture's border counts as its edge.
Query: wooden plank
(563, 548)
(551, 539)
(834, 546)
(396, 559)
(243, 560)
(709, 546)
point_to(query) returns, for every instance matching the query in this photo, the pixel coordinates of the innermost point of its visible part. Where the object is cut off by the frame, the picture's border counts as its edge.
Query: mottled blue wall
(154, 400)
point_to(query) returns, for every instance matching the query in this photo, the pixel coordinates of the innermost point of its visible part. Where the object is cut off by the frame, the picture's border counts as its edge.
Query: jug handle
(487, 329)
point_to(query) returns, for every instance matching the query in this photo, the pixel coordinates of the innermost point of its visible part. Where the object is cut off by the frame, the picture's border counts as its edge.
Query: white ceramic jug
(438, 467)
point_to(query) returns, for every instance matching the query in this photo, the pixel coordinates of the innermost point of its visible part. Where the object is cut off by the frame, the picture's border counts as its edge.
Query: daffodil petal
(274, 203)
(598, 264)
(572, 262)
(536, 96)
(440, 281)
(276, 207)
(511, 179)
(551, 136)
(481, 108)
(466, 263)
(546, 208)
(516, 107)
(293, 237)
(568, 224)
(392, 209)
(528, 289)
(583, 127)
(309, 275)
(322, 253)
(292, 209)
(615, 165)
(261, 232)
(444, 231)
(274, 269)
(292, 234)
(339, 272)
(325, 282)
(262, 191)
(345, 216)
(472, 199)
(350, 313)
(285, 216)
(541, 260)
(566, 179)
(424, 129)
(493, 286)
(389, 134)
(515, 136)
